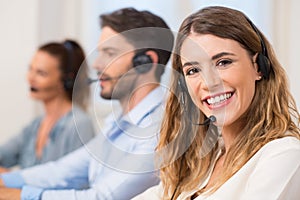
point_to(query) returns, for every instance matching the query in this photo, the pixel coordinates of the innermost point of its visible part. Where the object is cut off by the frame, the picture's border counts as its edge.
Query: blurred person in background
(51, 76)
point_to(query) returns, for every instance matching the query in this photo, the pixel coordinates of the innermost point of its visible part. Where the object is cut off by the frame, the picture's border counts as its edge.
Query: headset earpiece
(142, 63)
(263, 64)
(262, 59)
(68, 83)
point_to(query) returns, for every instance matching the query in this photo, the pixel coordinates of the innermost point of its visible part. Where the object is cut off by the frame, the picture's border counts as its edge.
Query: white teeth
(222, 97)
(218, 99)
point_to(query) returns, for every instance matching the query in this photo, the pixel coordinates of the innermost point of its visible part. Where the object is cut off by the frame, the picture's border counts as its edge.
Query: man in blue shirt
(134, 47)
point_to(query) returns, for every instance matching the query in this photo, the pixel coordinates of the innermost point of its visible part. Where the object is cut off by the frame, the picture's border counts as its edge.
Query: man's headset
(142, 63)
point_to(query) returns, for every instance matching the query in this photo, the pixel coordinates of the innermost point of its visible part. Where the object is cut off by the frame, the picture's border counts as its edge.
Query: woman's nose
(211, 78)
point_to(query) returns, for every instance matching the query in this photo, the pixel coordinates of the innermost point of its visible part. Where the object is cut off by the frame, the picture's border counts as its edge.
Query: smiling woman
(228, 69)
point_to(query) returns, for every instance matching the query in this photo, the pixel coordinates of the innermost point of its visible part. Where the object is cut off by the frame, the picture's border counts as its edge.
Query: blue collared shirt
(105, 168)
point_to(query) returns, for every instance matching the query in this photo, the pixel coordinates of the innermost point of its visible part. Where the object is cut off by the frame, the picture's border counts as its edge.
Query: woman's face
(220, 76)
(44, 77)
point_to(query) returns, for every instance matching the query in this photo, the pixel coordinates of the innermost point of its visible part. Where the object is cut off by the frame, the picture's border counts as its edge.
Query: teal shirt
(68, 134)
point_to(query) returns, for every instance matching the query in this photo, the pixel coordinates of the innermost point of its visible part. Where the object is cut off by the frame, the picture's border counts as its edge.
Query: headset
(68, 78)
(142, 63)
(262, 59)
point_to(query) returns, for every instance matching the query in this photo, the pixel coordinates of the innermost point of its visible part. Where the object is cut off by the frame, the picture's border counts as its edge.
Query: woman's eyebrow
(219, 55)
(190, 63)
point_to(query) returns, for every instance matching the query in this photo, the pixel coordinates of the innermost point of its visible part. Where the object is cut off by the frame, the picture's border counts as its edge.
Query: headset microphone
(46, 89)
(32, 89)
(90, 81)
(110, 78)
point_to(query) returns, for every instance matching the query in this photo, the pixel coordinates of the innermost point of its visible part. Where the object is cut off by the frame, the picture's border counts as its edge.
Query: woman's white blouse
(273, 173)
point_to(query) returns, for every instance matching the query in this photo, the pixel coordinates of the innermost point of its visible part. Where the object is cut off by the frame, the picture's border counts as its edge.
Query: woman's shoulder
(286, 144)
(153, 193)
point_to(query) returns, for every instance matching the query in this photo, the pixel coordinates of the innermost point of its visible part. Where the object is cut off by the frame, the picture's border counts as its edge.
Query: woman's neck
(58, 107)
(229, 134)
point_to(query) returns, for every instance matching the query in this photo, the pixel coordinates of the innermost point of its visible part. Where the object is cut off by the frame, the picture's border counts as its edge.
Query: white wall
(18, 39)
(287, 41)
(294, 44)
(27, 24)
(24, 26)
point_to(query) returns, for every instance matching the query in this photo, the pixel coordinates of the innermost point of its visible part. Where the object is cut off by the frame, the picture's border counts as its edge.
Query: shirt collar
(148, 104)
(136, 115)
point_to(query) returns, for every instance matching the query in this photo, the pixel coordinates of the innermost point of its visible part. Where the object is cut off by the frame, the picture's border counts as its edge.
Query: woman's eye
(223, 63)
(42, 73)
(192, 71)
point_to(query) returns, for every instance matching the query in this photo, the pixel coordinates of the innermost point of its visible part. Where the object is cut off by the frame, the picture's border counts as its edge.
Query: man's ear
(153, 56)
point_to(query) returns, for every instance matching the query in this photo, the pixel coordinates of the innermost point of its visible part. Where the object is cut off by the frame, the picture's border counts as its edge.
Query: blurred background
(25, 25)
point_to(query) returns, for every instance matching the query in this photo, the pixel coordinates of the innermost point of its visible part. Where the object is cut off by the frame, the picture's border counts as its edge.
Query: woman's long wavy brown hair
(271, 115)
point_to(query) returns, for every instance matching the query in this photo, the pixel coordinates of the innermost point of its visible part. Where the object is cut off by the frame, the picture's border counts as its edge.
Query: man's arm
(71, 171)
(120, 185)
(107, 183)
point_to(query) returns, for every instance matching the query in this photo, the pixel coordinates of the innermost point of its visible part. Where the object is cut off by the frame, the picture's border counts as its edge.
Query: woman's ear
(256, 67)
